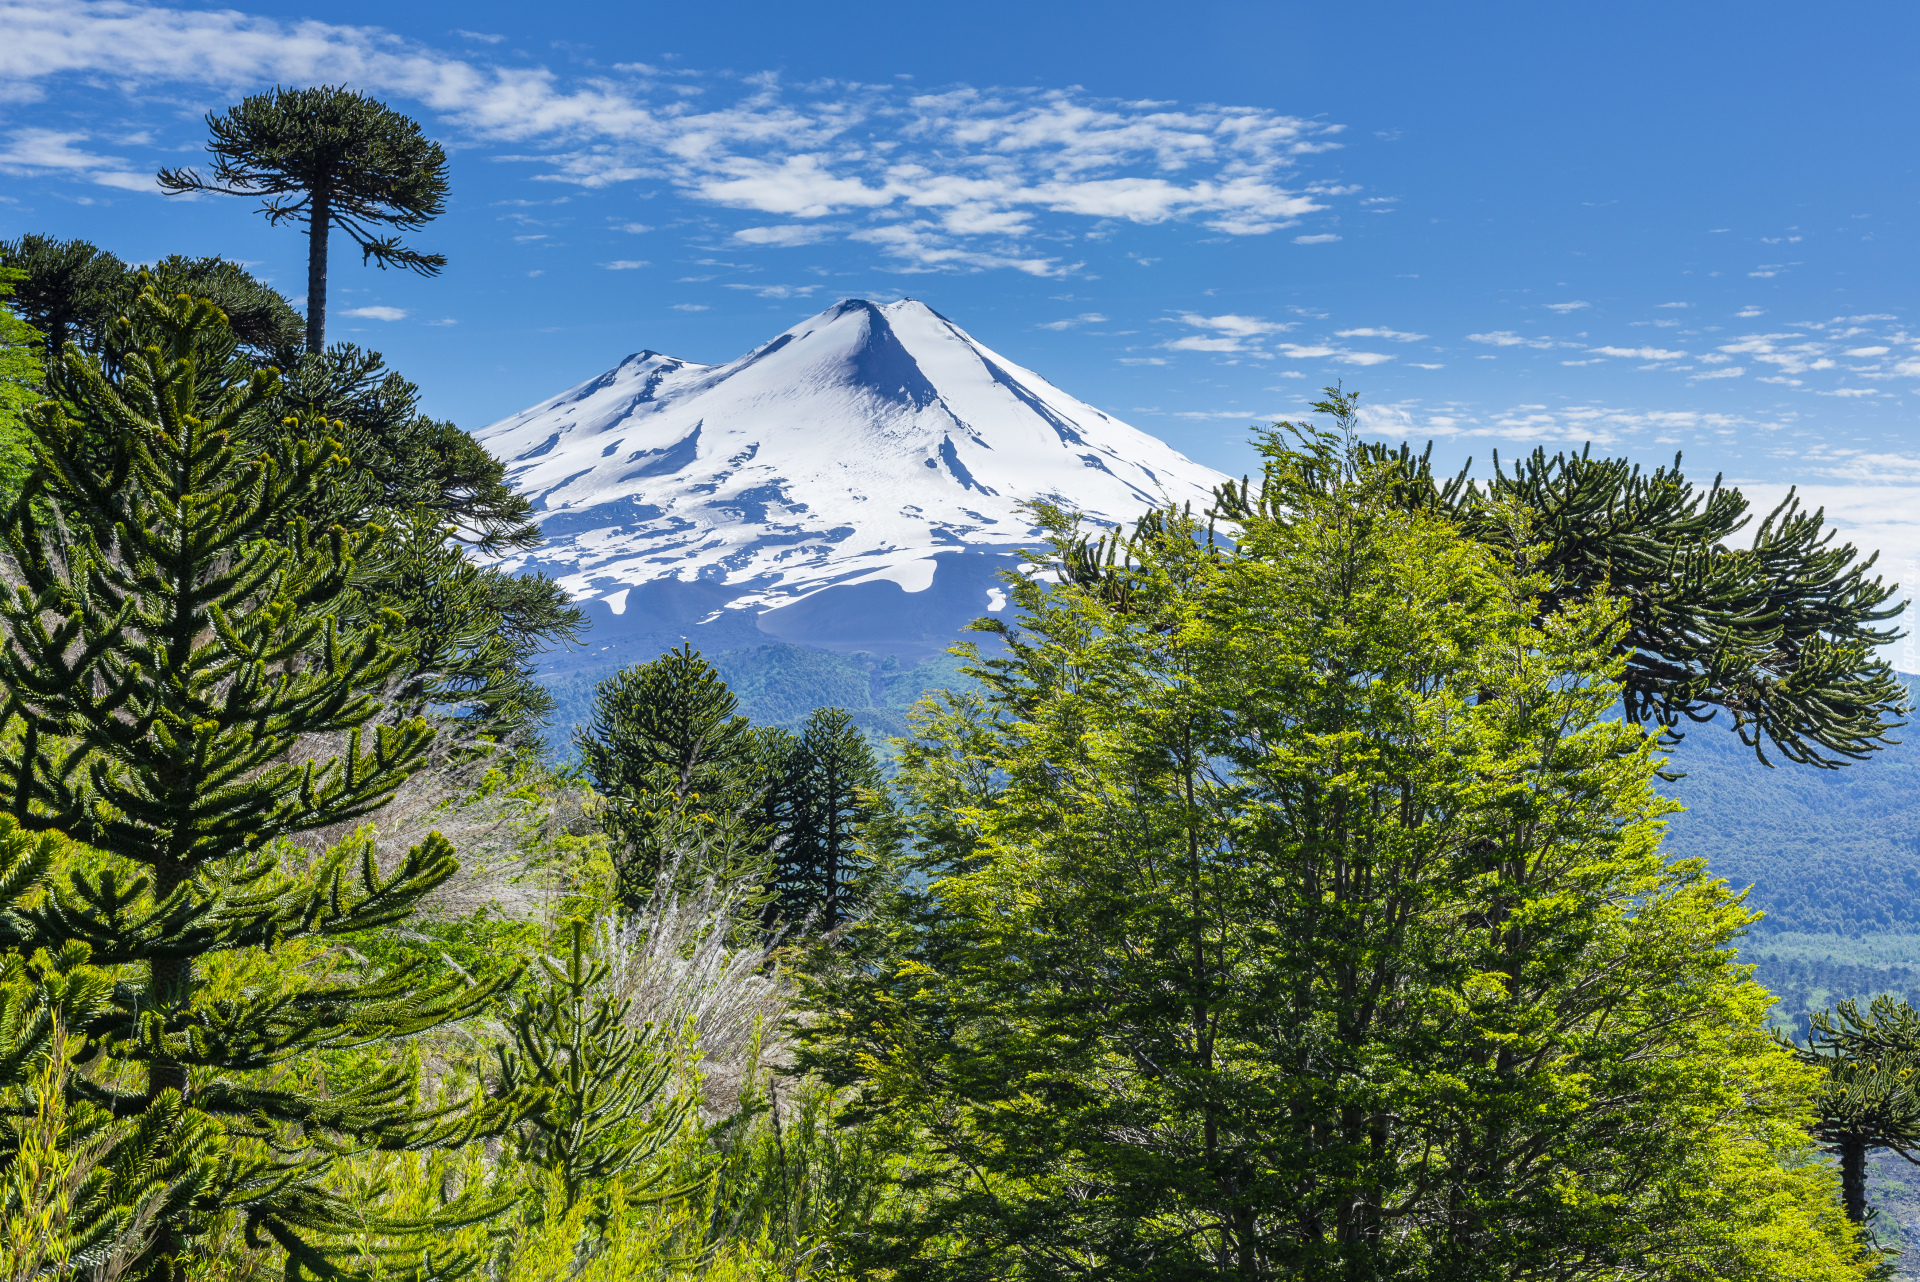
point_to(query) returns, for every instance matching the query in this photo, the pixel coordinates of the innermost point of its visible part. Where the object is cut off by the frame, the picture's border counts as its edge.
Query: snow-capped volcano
(866, 445)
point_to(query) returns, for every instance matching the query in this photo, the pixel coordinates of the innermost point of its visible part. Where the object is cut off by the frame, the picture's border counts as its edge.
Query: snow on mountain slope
(867, 445)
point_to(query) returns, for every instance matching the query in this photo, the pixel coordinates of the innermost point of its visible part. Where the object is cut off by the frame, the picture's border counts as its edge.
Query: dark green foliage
(674, 763)
(1870, 1097)
(472, 630)
(606, 1106)
(327, 157)
(69, 290)
(170, 645)
(1781, 635)
(76, 1175)
(268, 329)
(831, 784)
(403, 459)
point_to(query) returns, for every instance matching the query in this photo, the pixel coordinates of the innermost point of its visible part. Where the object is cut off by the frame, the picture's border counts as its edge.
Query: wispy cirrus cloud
(965, 179)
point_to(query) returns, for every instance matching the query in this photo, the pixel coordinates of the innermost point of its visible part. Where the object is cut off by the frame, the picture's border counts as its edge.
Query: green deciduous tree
(22, 379)
(327, 157)
(172, 670)
(1297, 911)
(1783, 635)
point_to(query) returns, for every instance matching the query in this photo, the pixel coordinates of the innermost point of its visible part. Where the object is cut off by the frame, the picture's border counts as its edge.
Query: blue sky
(1651, 227)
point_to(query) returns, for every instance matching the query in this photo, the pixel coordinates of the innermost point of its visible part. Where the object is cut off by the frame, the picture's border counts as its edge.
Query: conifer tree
(607, 1104)
(171, 656)
(327, 157)
(68, 290)
(1783, 635)
(1870, 1093)
(674, 761)
(830, 782)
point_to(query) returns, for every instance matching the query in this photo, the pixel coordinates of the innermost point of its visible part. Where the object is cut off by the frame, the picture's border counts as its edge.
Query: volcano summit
(853, 484)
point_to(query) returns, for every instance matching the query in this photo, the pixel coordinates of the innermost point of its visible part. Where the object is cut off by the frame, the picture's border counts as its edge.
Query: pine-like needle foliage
(169, 641)
(675, 764)
(327, 157)
(1783, 634)
(80, 1190)
(607, 1107)
(1871, 1094)
(830, 783)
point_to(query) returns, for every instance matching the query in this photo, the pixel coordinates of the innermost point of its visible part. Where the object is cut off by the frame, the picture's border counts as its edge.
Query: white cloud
(1564, 308)
(1143, 360)
(34, 153)
(973, 170)
(1238, 326)
(691, 307)
(1394, 335)
(634, 228)
(379, 313)
(777, 291)
(625, 264)
(1675, 304)
(1084, 318)
(1751, 312)
(1507, 338)
(786, 235)
(1639, 353)
(1731, 371)
(1866, 351)
(1324, 238)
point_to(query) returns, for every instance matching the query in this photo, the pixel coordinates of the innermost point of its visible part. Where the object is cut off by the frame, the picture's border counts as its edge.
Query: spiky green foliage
(675, 765)
(172, 667)
(68, 290)
(403, 459)
(607, 1105)
(80, 1189)
(1784, 635)
(829, 783)
(263, 322)
(472, 629)
(327, 157)
(1870, 1089)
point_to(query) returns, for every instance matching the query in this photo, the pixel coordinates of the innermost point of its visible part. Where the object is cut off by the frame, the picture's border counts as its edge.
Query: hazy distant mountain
(854, 484)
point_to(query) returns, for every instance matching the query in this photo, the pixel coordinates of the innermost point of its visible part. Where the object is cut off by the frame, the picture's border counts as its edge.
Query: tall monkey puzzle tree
(168, 654)
(327, 157)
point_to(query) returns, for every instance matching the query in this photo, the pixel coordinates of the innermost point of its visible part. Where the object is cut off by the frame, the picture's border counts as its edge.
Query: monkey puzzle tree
(829, 784)
(327, 157)
(1870, 1095)
(675, 764)
(1782, 635)
(171, 667)
(68, 290)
